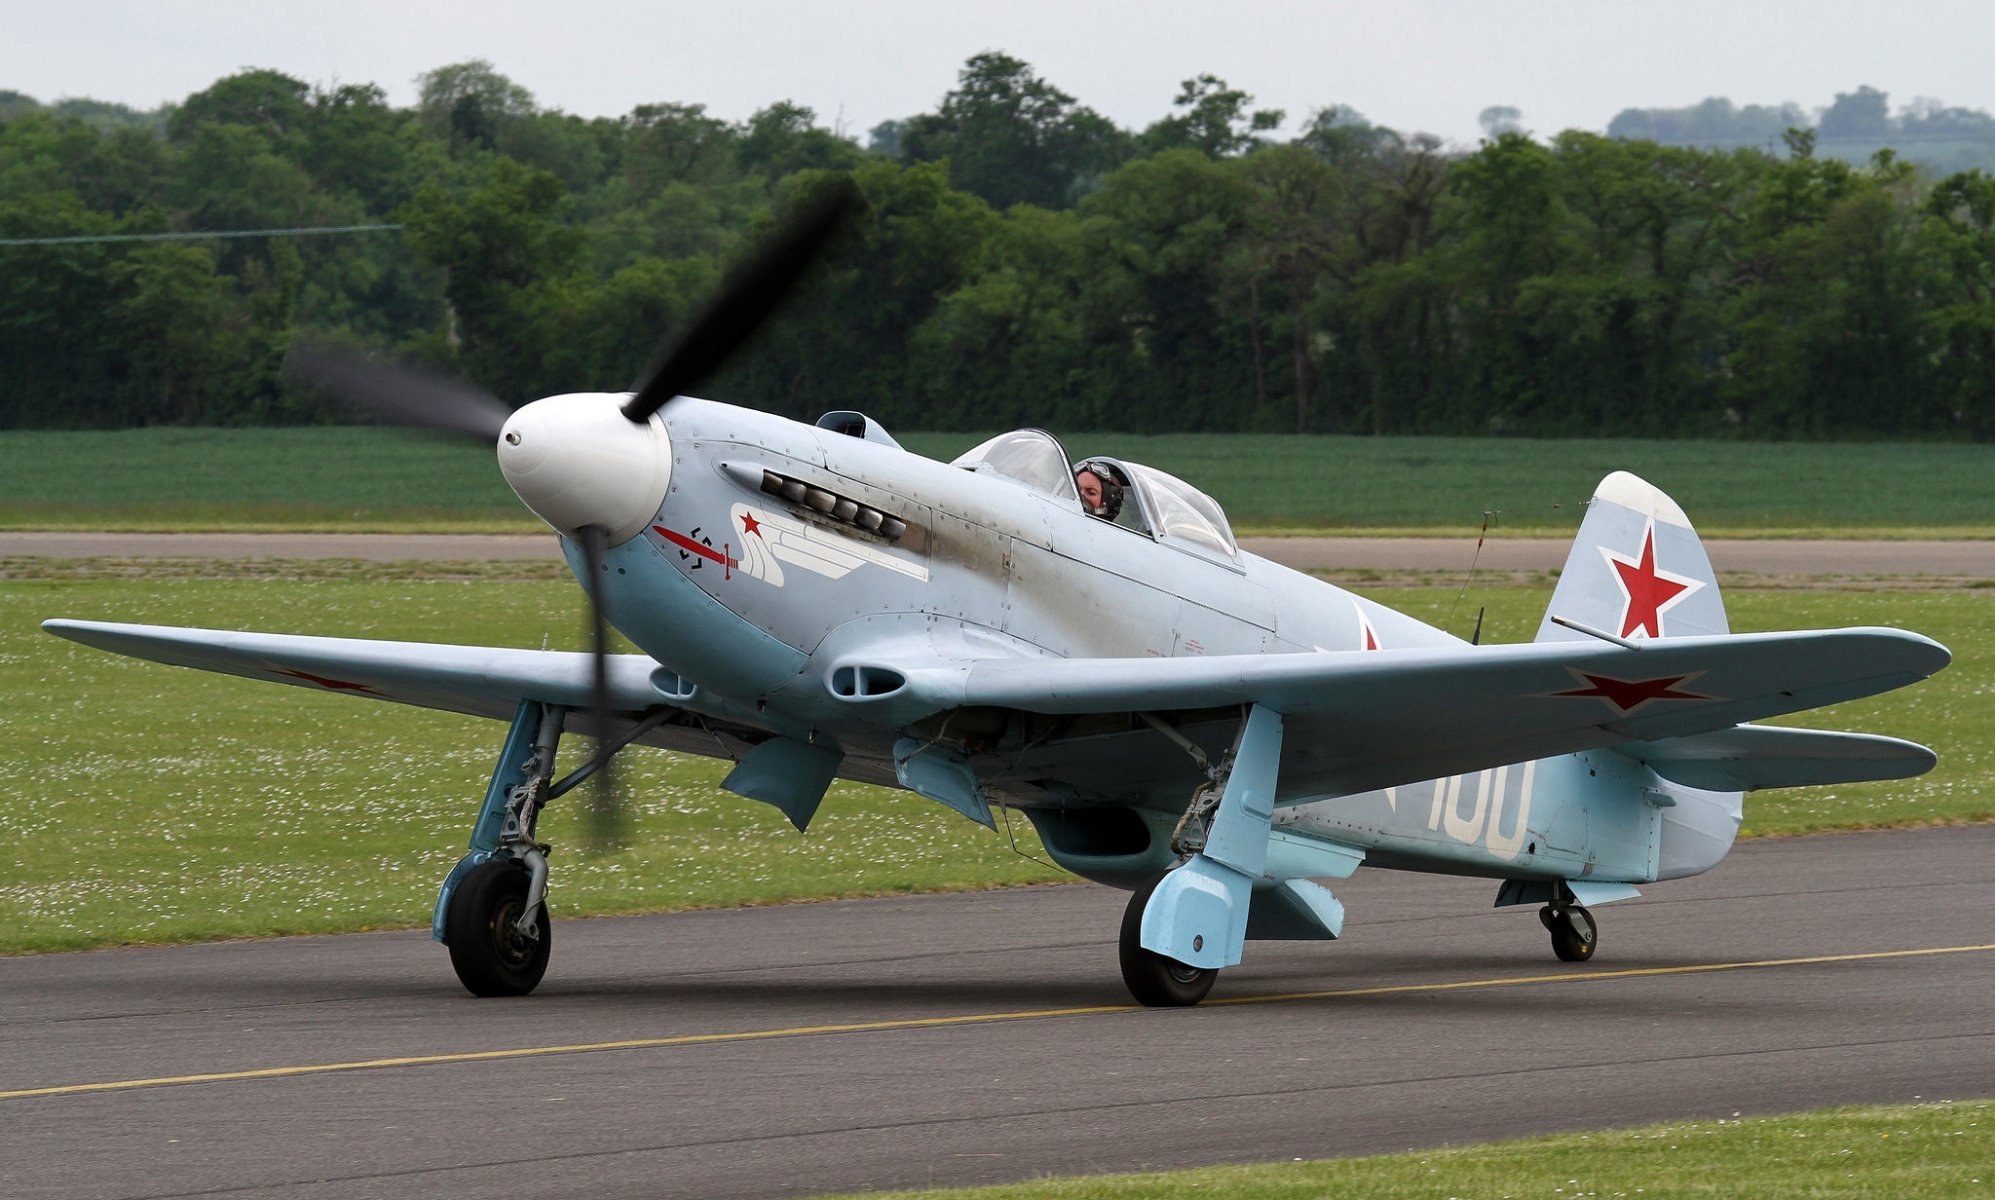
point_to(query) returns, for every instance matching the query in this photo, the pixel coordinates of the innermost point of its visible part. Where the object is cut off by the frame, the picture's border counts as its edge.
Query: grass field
(174, 805)
(168, 805)
(377, 479)
(1926, 1150)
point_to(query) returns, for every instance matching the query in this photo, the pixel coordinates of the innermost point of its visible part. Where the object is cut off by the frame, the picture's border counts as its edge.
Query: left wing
(484, 681)
(1360, 721)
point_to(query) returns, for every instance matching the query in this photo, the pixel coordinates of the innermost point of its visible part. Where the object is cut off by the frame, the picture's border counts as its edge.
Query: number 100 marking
(1485, 822)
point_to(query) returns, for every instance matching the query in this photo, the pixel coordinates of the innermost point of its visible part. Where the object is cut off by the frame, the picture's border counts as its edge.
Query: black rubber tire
(489, 955)
(1154, 980)
(1574, 935)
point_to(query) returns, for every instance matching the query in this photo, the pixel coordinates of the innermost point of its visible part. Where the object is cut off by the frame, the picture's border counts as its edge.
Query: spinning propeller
(589, 445)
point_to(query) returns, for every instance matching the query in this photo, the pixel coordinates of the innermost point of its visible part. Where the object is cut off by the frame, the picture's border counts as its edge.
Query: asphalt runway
(986, 1037)
(1954, 560)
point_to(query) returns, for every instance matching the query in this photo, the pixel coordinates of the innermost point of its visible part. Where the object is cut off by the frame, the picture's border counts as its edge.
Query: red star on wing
(750, 525)
(1650, 592)
(331, 685)
(1630, 694)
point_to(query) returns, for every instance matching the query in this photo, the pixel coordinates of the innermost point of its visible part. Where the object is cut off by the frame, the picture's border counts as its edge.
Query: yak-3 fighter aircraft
(1214, 732)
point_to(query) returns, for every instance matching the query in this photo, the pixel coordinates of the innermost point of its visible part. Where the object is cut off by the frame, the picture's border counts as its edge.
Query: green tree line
(1020, 260)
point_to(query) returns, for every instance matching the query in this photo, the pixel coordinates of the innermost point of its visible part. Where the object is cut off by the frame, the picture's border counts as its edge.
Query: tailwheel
(1154, 980)
(493, 956)
(1574, 935)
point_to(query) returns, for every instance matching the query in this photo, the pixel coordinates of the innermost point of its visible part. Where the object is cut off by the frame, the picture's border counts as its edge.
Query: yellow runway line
(708, 1039)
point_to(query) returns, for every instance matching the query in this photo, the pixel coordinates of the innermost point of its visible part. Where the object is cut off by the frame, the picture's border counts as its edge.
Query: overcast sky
(1413, 65)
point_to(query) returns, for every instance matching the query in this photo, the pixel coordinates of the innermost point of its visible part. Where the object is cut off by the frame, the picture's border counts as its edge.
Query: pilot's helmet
(1113, 483)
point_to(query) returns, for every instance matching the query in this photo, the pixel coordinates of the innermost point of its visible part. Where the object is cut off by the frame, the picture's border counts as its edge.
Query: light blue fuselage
(1015, 571)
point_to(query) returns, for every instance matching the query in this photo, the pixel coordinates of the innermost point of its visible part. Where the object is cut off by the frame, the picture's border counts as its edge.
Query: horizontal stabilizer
(1750, 757)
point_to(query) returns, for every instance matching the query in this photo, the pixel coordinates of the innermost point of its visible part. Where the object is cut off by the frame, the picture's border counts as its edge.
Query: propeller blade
(604, 824)
(749, 297)
(397, 393)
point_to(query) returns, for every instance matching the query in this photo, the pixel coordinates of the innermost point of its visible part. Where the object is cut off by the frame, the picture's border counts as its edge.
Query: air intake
(859, 682)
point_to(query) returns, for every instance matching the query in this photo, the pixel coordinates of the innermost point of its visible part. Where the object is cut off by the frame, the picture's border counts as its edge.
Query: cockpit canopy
(1166, 507)
(1032, 457)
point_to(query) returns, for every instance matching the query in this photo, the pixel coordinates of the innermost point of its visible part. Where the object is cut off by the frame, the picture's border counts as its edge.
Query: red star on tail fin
(1650, 592)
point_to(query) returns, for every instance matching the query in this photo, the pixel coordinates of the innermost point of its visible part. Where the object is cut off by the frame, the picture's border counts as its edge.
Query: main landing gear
(1180, 929)
(1153, 979)
(1574, 935)
(492, 909)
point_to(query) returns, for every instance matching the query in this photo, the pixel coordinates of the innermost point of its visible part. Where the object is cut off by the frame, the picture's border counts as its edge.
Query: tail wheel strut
(1574, 935)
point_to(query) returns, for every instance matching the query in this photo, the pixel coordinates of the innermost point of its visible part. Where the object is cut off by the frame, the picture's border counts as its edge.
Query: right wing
(1359, 721)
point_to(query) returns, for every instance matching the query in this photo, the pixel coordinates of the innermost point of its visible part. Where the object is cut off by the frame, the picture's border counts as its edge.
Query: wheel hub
(513, 946)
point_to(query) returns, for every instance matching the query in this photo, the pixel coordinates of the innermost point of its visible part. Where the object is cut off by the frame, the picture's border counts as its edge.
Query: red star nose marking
(750, 525)
(723, 556)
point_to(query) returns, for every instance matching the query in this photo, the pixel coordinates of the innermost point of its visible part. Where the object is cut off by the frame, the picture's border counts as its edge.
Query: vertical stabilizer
(1637, 570)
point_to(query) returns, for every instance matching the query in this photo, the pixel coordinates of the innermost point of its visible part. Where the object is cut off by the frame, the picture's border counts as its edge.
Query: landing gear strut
(1574, 935)
(1153, 979)
(491, 911)
(1181, 928)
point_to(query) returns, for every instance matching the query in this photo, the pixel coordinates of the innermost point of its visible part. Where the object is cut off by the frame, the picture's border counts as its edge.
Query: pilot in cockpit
(1102, 486)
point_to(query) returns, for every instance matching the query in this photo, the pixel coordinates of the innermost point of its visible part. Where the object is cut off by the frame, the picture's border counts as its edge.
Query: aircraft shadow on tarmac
(807, 997)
